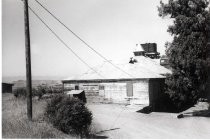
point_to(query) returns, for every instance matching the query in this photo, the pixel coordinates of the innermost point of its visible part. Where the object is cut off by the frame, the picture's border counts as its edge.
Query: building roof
(139, 48)
(144, 68)
(7, 84)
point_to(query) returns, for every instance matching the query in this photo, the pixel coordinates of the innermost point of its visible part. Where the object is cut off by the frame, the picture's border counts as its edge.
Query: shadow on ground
(150, 109)
(94, 136)
(188, 112)
(98, 136)
(107, 130)
(200, 113)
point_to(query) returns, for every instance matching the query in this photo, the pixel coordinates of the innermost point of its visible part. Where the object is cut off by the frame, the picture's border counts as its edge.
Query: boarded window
(129, 89)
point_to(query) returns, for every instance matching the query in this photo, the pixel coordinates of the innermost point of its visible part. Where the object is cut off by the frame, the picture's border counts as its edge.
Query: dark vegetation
(39, 91)
(69, 115)
(188, 51)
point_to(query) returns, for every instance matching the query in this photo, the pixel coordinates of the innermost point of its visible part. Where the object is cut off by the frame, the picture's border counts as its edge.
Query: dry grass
(16, 125)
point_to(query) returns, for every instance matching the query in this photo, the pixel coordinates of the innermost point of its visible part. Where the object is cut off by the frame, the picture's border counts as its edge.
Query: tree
(188, 51)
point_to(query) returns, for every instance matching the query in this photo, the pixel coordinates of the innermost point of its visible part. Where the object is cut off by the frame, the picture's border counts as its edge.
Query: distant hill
(35, 83)
(11, 79)
(20, 81)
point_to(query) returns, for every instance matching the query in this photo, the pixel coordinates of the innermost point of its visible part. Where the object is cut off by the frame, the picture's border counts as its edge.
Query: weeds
(16, 125)
(39, 91)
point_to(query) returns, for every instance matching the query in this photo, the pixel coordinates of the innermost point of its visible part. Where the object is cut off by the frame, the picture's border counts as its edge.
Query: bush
(39, 91)
(56, 89)
(20, 92)
(69, 115)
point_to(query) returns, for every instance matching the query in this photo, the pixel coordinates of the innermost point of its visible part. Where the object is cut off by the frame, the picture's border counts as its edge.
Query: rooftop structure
(147, 49)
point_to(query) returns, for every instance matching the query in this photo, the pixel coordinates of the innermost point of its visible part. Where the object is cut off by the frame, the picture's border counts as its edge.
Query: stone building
(140, 83)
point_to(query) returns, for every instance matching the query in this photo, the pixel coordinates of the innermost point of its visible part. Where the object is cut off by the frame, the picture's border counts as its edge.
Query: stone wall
(133, 91)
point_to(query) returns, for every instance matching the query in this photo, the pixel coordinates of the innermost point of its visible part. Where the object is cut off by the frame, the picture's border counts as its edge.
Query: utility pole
(28, 62)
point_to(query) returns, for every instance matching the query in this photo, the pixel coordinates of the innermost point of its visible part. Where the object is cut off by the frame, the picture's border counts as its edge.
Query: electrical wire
(99, 54)
(76, 54)
(64, 42)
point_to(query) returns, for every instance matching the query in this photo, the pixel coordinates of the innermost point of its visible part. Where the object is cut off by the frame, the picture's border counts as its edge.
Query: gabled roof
(144, 68)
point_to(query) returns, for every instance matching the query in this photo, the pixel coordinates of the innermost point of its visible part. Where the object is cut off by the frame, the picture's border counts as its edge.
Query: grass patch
(16, 125)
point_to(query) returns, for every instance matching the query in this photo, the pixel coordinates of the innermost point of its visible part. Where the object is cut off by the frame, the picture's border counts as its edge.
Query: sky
(112, 27)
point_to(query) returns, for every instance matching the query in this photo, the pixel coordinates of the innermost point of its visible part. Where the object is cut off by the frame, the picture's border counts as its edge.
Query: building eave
(108, 80)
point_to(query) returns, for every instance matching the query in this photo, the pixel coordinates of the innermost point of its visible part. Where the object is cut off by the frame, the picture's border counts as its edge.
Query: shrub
(69, 115)
(20, 92)
(56, 89)
(41, 90)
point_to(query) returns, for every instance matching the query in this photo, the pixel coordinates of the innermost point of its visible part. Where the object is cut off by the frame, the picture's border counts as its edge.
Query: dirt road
(126, 123)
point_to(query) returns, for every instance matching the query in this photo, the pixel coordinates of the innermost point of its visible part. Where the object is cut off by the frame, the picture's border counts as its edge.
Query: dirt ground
(111, 121)
(123, 122)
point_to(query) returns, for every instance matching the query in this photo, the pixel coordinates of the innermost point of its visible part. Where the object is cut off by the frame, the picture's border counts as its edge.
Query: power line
(63, 42)
(82, 39)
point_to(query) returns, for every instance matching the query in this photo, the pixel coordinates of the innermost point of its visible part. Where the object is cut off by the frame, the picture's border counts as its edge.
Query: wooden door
(129, 87)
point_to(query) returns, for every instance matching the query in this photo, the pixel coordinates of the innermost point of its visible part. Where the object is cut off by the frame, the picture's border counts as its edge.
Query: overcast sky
(112, 27)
